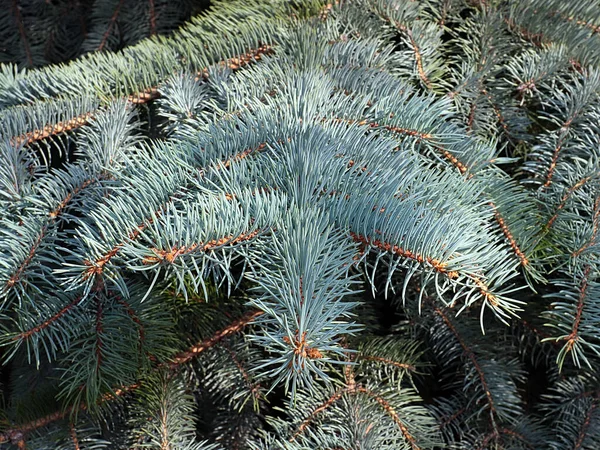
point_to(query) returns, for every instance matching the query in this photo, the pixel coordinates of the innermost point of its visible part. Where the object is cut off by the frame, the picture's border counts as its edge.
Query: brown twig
(152, 18)
(111, 24)
(17, 434)
(563, 200)
(19, 18)
(27, 334)
(389, 409)
(141, 97)
(437, 265)
(471, 356)
(509, 237)
(96, 267)
(595, 226)
(585, 427)
(573, 337)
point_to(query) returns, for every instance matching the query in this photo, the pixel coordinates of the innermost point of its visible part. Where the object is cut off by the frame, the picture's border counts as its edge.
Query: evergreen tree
(298, 225)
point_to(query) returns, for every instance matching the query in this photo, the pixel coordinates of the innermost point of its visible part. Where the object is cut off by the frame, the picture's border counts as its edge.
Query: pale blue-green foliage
(89, 437)
(575, 413)
(490, 382)
(329, 166)
(301, 288)
(162, 416)
(573, 24)
(575, 315)
(291, 143)
(357, 417)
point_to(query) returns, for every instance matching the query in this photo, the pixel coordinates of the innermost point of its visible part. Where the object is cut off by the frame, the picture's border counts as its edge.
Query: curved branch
(19, 18)
(52, 129)
(232, 328)
(392, 413)
(436, 264)
(565, 197)
(471, 356)
(74, 437)
(141, 97)
(27, 334)
(419, 135)
(326, 404)
(17, 434)
(52, 216)
(389, 409)
(585, 427)
(96, 267)
(111, 24)
(509, 236)
(573, 337)
(170, 255)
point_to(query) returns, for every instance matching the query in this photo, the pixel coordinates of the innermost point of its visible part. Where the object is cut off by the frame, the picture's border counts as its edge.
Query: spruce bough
(286, 225)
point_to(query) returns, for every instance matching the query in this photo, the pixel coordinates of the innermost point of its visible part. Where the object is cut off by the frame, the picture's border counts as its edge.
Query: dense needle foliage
(368, 224)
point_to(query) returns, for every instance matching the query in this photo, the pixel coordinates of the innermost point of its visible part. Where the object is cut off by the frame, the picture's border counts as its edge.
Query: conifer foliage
(368, 224)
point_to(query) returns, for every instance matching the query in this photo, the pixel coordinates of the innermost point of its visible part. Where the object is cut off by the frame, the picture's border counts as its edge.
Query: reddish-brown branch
(65, 201)
(585, 427)
(557, 149)
(389, 409)
(595, 225)
(553, 163)
(471, 356)
(17, 434)
(152, 18)
(509, 236)
(574, 335)
(471, 117)
(582, 23)
(563, 200)
(388, 247)
(326, 404)
(96, 267)
(233, 328)
(16, 276)
(19, 18)
(453, 417)
(52, 215)
(135, 318)
(142, 97)
(111, 24)
(419, 60)
(497, 111)
(425, 137)
(74, 437)
(170, 255)
(52, 129)
(419, 135)
(416, 50)
(27, 334)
